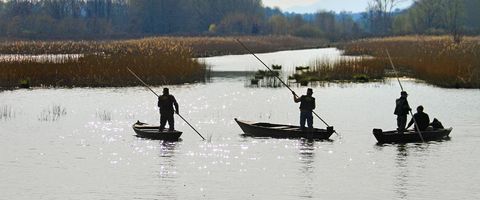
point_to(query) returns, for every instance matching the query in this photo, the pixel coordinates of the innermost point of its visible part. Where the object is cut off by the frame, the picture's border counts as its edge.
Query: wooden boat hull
(410, 135)
(261, 129)
(144, 130)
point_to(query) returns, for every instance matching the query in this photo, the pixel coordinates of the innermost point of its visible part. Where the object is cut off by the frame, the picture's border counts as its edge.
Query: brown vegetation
(156, 60)
(437, 60)
(199, 46)
(214, 46)
(159, 60)
(360, 69)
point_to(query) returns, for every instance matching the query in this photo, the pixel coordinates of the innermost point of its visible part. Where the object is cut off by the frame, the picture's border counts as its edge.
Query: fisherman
(401, 110)
(307, 104)
(166, 102)
(420, 118)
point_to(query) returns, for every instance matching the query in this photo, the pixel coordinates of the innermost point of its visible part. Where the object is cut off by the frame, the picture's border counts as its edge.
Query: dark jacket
(402, 107)
(166, 103)
(422, 119)
(307, 103)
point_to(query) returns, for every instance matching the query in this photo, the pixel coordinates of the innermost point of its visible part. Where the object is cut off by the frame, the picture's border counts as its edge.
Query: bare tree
(454, 18)
(380, 15)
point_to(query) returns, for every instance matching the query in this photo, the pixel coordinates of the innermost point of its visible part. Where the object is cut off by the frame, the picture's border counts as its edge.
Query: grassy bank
(437, 60)
(156, 60)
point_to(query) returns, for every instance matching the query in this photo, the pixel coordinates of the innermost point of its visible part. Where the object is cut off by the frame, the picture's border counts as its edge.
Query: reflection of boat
(262, 129)
(144, 130)
(410, 135)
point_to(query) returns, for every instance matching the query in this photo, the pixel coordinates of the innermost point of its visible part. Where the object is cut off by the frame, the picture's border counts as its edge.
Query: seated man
(421, 118)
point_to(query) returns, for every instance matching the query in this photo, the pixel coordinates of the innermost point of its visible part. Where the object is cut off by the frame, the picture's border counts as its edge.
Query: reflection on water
(402, 177)
(307, 156)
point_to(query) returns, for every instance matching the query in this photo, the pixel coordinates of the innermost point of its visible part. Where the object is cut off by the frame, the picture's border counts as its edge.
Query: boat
(410, 135)
(145, 130)
(262, 129)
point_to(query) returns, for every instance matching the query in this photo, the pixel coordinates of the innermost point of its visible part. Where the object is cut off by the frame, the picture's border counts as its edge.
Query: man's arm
(407, 106)
(296, 99)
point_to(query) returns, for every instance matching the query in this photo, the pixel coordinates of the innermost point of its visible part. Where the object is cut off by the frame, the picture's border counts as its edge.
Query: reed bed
(156, 60)
(196, 46)
(214, 46)
(437, 60)
(362, 69)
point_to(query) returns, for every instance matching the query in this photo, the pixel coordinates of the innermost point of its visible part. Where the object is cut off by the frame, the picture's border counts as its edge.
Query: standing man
(307, 104)
(166, 103)
(401, 110)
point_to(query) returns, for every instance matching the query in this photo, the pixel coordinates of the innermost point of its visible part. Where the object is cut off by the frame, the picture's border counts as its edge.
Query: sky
(311, 6)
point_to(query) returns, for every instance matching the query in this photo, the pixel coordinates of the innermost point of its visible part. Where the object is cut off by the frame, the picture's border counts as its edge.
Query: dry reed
(362, 69)
(437, 60)
(102, 64)
(158, 60)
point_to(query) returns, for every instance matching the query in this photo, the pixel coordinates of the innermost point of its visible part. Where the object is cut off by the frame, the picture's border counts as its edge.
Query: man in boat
(401, 110)
(420, 118)
(166, 102)
(307, 104)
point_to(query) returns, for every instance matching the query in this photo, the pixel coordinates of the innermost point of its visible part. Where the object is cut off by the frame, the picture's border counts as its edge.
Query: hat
(403, 93)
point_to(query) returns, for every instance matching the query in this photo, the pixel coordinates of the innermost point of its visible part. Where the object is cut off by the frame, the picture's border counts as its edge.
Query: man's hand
(178, 112)
(294, 93)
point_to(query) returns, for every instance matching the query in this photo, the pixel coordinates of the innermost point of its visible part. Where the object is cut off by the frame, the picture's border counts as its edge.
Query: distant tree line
(104, 19)
(431, 17)
(80, 19)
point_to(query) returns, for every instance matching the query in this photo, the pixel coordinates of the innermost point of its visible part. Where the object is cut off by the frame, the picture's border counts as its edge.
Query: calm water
(78, 143)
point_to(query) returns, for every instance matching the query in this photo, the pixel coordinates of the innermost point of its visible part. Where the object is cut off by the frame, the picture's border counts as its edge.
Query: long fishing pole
(401, 87)
(246, 48)
(147, 86)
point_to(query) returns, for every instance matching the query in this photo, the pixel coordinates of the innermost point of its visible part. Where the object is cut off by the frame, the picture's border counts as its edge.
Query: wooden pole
(401, 87)
(147, 86)
(246, 48)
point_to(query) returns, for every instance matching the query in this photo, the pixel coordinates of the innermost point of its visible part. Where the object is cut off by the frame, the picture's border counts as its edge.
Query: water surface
(78, 143)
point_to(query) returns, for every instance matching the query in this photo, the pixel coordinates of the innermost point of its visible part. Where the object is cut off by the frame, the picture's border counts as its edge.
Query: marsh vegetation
(159, 61)
(437, 60)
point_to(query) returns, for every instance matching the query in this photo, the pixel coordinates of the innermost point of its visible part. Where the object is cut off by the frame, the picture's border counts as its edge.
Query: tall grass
(361, 69)
(437, 60)
(196, 46)
(156, 60)
(214, 46)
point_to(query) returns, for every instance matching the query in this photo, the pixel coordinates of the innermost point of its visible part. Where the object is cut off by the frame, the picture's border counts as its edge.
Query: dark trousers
(401, 122)
(306, 116)
(164, 118)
